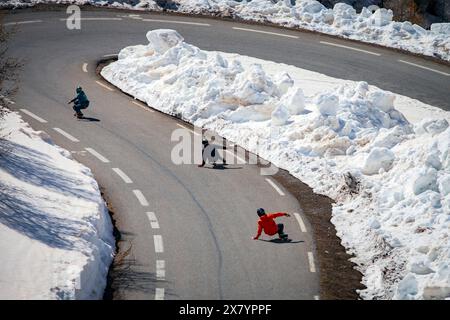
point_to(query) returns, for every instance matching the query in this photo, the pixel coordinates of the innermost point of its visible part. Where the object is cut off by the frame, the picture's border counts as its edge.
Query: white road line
(67, 135)
(266, 32)
(141, 198)
(153, 220)
(312, 267)
(180, 125)
(159, 294)
(350, 48)
(159, 248)
(275, 187)
(316, 297)
(178, 22)
(240, 160)
(426, 68)
(94, 19)
(104, 86)
(160, 270)
(31, 114)
(97, 155)
(122, 174)
(300, 222)
(140, 105)
(22, 22)
(84, 67)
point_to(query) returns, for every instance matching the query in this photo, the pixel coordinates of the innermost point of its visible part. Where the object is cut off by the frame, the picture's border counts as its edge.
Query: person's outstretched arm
(258, 232)
(278, 214)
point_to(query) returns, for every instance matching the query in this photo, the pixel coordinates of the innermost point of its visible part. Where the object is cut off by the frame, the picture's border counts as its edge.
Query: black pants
(280, 230)
(78, 107)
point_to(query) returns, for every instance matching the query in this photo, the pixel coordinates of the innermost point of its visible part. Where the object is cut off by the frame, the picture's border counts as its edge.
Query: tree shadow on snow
(21, 216)
(18, 210)
(33, 167)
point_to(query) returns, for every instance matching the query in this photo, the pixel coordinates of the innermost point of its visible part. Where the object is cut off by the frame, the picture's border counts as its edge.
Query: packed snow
(342, 20)
(389, 176)
(55, 231)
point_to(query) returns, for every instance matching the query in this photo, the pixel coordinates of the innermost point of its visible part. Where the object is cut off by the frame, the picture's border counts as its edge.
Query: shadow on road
(222, 167)
(279, 241)
(89, 119)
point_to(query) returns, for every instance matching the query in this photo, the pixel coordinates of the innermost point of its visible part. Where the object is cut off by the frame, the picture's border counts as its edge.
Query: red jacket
(267, 223)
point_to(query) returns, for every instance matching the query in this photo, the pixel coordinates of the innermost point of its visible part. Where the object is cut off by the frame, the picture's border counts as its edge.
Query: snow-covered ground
(56, 237)
(393, 212)
(342, 20)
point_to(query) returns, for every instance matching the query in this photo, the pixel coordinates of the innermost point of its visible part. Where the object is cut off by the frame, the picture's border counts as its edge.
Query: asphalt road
(206, 218)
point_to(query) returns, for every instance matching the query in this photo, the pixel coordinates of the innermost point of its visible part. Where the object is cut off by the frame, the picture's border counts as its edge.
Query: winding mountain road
(188, 229)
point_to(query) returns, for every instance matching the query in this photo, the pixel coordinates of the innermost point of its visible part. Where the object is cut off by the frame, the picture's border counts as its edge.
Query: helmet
(260, 212)
(204, 142)
(79, 89)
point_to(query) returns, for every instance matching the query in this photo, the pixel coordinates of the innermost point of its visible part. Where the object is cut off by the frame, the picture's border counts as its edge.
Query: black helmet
(79, 89)
(260, 212)
(204, 141)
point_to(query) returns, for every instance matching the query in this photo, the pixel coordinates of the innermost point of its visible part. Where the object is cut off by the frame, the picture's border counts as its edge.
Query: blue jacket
(81, 98)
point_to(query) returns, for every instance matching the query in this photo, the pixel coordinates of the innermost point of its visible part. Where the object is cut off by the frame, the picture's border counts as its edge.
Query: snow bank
(342, 20)
(396, 221)
(55, 231)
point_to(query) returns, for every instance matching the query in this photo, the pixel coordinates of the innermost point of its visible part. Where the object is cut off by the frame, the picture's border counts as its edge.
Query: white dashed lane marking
(184, 127)
(426, 68)
(84, 67)
(280, 192)
(22, 22)
(153, 220)
(157, 239)
(35, 117)
(140, 105)
(97, 155)
(266, 32)
(312, 266)
(141, 198)
(94, 19)
(178, 22)
(104, 85)
(316, 297)
(300, 222)
(160, 270)
(122, 174)
(67, 135)
(350, 48)
(159, 294)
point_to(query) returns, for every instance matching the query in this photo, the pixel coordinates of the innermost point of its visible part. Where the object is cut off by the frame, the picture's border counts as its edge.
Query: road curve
(189, 228)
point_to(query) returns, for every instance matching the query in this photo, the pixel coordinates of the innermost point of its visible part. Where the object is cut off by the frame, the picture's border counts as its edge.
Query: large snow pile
(395, 218)
(342, 20)
(55, 231)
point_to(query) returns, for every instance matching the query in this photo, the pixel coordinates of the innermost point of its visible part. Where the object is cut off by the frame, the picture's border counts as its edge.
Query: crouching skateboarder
(267, 223)
(80, 102)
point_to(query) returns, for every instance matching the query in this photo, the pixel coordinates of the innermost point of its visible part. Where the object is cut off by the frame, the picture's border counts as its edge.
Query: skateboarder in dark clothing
(207, 152)
(267, 223)
(80, 102)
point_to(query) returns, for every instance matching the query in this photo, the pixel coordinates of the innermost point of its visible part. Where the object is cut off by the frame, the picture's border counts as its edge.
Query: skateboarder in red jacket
(267, 223)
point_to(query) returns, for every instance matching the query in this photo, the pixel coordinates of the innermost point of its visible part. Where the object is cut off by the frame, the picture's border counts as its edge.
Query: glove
(287, 214)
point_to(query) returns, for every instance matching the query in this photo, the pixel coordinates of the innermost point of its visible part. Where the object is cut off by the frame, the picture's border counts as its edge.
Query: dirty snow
(55, 231)
(342, 20)
(389, 176)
